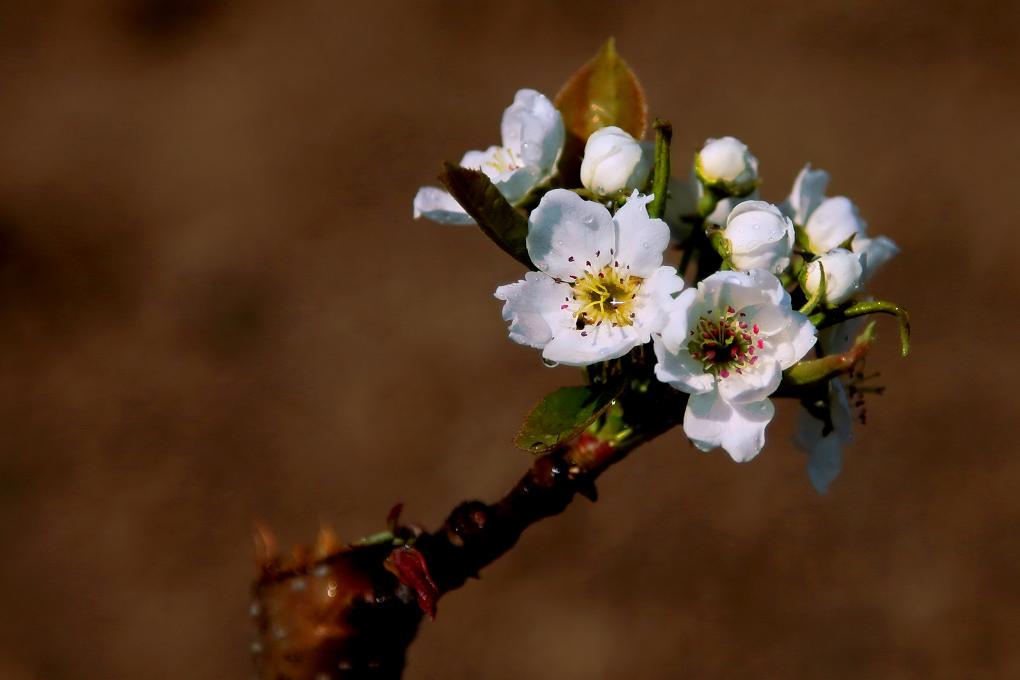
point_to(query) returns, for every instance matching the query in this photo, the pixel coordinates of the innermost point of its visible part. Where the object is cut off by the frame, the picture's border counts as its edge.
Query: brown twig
(347, 614)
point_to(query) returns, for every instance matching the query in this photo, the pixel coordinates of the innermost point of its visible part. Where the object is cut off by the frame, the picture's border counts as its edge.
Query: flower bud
(832, 223)
(614, 161)
(759, 237)
(842, 276)
(726, 162)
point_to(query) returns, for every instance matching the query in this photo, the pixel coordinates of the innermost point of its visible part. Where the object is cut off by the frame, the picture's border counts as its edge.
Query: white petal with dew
(640, 240)
(439, 206)
(808, 193)
(533, 129)
(833, 222)
(530, 305)
(566, 232)
(874, 252)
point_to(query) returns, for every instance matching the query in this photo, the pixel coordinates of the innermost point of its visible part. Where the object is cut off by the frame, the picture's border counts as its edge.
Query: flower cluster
(775, 297)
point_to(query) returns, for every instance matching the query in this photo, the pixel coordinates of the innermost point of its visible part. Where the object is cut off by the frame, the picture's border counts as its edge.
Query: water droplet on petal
(560, 242)
(645, 245)
(757, 227)
(589, 220)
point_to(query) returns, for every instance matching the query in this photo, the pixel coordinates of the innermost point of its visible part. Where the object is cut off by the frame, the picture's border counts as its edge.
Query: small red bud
(408, 565)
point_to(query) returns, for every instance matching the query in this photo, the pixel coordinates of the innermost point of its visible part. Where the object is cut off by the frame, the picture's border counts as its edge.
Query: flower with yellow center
(533, 135)
(600, 289)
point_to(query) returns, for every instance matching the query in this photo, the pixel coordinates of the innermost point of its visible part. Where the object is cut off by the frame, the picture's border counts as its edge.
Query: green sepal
(497, 219)
(660, 180)
(564, 414)
(706, 203)
(814, 300)
(801, 239)
(720, 243)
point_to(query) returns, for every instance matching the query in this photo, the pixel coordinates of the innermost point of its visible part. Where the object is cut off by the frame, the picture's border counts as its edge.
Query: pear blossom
(843, 273)
(726, 344)
(614, 161)
(532, 134)
(829, 222)
(727, 162)
(759, 236)
(824, 442)
(600, 289)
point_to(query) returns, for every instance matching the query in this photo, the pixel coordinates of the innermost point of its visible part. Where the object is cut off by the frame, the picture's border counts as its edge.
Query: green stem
(660, 182)
(870, 307)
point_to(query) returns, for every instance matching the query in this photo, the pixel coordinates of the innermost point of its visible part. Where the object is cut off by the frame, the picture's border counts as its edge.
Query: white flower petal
(516, 184)
(832, 223)
(794, 340)
(754, 383)
(478, 160)
(533, 308)
(566, 233)
(726, 205)
(640, 240)
(681, 316)
(742, 289)
(874, 252)
(680, 370)
(595, 343)
(504, 169)
(825, 451)
(711, 421)
(808, 193)
(533, 129)
(439, 206)
(655, 301)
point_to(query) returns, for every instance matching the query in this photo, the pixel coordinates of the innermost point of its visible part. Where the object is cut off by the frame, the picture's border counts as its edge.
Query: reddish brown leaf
(603, 92)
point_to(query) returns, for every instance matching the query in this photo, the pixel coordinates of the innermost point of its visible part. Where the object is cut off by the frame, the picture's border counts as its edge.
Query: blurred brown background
(215, 307)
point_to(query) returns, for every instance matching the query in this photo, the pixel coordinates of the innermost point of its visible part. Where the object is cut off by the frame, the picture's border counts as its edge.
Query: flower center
(605, 296)
(724, 342)
(504, 160)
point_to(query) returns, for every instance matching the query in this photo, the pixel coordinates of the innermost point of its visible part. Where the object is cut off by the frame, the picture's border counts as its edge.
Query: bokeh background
(215, 307)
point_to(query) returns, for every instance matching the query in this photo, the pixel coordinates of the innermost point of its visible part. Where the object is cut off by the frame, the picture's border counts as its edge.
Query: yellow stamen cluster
(504, 160)
(605, 296)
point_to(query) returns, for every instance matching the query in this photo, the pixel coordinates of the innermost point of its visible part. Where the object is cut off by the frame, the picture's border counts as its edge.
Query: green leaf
(660, 181)
(564, 414)
(603, 92)
(499, 220)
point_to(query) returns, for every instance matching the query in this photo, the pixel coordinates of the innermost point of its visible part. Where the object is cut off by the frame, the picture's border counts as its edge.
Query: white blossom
(726, 344)
(532, 139)
(728, 162)
(828, 222)
(760, 237)
(600, 289)
(614, 161)
(842, 275)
